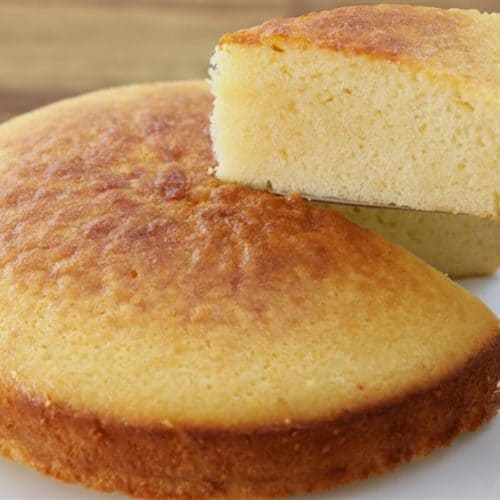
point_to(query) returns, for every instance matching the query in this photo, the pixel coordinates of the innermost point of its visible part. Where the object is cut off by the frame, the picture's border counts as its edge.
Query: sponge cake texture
(456, 244)
(168, 335)
(387, 104)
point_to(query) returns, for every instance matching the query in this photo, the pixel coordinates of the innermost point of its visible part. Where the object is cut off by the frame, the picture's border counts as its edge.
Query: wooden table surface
(56, 48)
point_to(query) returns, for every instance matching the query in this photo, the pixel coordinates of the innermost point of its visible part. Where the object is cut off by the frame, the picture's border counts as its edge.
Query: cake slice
(458, 245)
(388, 104)
(168, 335)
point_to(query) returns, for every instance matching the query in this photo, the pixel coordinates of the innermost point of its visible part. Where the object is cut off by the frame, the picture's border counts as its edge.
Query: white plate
(470, 469)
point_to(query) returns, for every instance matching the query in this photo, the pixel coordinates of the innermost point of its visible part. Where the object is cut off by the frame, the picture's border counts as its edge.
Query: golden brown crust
(146, 174)
(461, 43)
(160, 462)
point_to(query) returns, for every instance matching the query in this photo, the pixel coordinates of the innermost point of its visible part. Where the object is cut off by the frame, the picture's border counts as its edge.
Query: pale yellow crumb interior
(324, 123)
(457, 245)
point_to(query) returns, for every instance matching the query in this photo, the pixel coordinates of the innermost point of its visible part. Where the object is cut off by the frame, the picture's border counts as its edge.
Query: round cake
(165, 334)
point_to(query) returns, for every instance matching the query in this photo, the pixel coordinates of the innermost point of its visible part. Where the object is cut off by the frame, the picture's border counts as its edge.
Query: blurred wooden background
(55, 48)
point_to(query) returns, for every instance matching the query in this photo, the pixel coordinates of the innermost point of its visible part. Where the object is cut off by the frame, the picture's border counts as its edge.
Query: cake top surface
(133, 284)
(461, 43)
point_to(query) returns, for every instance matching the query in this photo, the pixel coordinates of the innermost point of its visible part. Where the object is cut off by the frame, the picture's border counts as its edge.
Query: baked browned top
(134, 284)
(110, 196)
(461, 43)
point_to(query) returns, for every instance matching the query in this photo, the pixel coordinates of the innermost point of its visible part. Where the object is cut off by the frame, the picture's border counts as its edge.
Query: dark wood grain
(57, 48)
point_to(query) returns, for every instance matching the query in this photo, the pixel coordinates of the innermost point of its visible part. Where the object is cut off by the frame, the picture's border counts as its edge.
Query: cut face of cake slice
(391, 105)
(458, 245)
